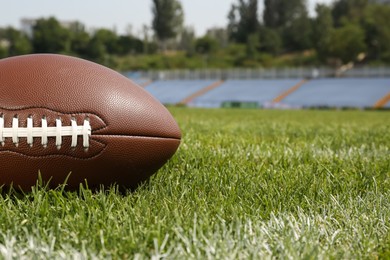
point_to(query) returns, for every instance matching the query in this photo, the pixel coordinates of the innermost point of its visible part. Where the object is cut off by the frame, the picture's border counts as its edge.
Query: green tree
(79, 39)
(280, 13)
(270, 41)
(376, 25)
(108, 39)
(96, 50)
(252, 45)
(233, 20)
(102, 44)
(206, 45)
(347, 11)
(187, 40)
(4, 44)
(50, 36)
(220, 35)
(129, 44)
(297, 35)
(290, 19)
(3, 52)
(167, 19)
(272, 14)
(18, 43)
(347, 43)
(322, 31)
(243, 20)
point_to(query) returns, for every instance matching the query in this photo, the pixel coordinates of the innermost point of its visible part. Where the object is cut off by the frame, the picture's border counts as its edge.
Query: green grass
(245, 184)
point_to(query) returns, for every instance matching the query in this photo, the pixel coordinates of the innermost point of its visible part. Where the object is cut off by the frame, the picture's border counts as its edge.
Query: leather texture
(133, 135)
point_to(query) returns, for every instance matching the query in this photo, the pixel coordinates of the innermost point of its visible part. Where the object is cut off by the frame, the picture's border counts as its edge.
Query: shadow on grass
(11, 191)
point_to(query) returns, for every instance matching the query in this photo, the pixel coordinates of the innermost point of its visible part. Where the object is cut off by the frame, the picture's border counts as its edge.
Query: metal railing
(276, 73)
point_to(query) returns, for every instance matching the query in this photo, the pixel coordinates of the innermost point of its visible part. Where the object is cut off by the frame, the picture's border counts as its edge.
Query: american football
(68, 119)
(172, 129)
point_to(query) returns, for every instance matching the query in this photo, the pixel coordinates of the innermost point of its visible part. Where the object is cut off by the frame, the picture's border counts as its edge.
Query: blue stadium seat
(262, 91)
(346, 92)
(173, 91)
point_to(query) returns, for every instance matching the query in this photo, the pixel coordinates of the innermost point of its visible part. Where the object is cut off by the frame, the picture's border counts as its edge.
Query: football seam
(86, 158)
(135, 136)
(57, 155)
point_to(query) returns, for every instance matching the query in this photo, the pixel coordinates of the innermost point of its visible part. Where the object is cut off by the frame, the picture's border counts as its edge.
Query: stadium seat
(173, 91)
(346, 92)
(261, 91)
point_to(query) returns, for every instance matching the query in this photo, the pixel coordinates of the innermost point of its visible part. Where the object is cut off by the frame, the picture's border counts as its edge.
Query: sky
(121, 15)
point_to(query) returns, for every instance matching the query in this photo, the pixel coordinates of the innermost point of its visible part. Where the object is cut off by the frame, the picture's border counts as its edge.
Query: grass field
(245, 184)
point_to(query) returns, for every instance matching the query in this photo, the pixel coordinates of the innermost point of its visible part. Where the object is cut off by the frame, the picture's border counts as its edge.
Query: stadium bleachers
(325, 92)
(346, 92)
(261, 91)
(174, 91)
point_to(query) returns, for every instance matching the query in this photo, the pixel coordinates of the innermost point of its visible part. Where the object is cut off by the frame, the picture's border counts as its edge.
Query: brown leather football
(63, 116)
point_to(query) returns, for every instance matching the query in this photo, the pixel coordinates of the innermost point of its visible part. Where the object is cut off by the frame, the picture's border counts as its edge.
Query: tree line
(347, 31)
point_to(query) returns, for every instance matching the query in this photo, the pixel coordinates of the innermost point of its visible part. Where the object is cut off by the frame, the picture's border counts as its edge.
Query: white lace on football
(59, 131)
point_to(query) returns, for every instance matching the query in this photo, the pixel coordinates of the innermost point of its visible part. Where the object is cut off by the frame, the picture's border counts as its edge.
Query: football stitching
(15, 131)
(44, 131)
(62, 112)
(59, 155)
